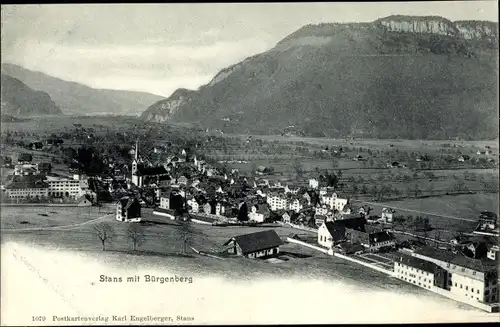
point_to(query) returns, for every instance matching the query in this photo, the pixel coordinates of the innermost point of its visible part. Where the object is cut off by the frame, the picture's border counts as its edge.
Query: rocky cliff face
(469, 30)
(399, 76)
(477, 30)
(164, 110)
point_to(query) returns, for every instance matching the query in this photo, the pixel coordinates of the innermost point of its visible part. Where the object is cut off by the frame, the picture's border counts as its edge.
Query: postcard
(249, 163)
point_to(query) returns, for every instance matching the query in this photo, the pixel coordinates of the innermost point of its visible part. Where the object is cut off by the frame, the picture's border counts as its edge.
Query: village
(174, 183)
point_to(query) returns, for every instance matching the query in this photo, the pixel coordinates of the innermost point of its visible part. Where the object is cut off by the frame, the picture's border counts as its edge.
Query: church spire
(137, 149)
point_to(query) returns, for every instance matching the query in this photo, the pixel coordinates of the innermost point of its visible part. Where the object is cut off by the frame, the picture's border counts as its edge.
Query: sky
(158, 48)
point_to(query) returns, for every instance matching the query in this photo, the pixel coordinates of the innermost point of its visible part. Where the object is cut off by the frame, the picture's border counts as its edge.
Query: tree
(105, 233)
(243, 212)
(339, 174)
(299, 169)
(135, 233)
(185, 232)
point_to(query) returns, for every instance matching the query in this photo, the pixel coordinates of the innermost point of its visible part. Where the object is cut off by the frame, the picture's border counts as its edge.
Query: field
(24, 217)
(163, 245)
(411, 145)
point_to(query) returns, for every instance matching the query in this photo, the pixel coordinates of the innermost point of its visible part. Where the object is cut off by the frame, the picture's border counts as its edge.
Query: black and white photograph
(249, 163)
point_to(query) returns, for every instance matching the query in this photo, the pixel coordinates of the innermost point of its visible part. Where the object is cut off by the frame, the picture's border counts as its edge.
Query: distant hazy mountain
(19, 100)
(78, 99)
(399, 76)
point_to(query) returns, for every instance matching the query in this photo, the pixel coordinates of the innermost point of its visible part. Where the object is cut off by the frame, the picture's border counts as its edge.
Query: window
(494, 290)
(494, 282)
(477, 291)
(486, 292)
(460, 285)
(472, 290)
(455, 284)
(466, 288)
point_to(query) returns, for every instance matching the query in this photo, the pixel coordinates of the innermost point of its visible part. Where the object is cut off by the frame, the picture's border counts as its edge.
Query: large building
(66, 187)
(24, 187)
(466, 278)
(142, 175)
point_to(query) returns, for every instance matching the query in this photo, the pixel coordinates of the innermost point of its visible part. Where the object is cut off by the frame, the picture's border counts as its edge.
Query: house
(349, 248)
(340, 203)
(488, 224)
(6, 161)
(422, 158)
(128, 209)
(464, 158)
(286, 218)
(359, 158)
(262, 244)
(36, 145)
(330, 233)
(479, 152)
(207, 208)
(319, 219)
(277, 201)
(25, 169)
(475, 249)
(182, 180)
(296, 205)
(393, 164)
(25, 158)
(313, 183)
(307, 197)
(84, 201)
(193, 204)
(321, 209)
(387, 215)
(259, 213)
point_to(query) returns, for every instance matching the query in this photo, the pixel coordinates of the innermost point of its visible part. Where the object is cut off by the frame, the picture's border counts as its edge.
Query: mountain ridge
(76, 98)
(19, 100)
(337, 79)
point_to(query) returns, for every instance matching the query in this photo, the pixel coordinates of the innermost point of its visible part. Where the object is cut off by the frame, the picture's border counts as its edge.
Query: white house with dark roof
(128, 209)
(259, 213)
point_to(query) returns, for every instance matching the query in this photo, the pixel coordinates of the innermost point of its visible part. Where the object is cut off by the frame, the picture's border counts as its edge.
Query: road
(415, 211)
(57, 227)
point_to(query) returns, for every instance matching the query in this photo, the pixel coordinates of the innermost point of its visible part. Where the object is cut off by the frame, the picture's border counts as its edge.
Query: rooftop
(458, 259)
(257, 241)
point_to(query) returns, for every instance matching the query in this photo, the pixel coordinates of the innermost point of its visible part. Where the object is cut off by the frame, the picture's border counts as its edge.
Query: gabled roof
(126, 202)
(382, 236)
(257, 241)
(336, 230)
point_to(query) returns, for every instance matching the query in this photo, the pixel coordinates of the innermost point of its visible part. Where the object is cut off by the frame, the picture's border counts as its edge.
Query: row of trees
(136, 234)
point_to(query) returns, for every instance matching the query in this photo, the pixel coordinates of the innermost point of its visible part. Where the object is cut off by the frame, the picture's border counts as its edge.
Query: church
(142, 175)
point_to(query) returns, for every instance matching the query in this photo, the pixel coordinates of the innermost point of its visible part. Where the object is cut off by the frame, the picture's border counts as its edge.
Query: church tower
(135, 174)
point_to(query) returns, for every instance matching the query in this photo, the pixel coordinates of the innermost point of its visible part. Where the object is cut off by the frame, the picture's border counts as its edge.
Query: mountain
(78, 99)
(396, 77)
(20, 100)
